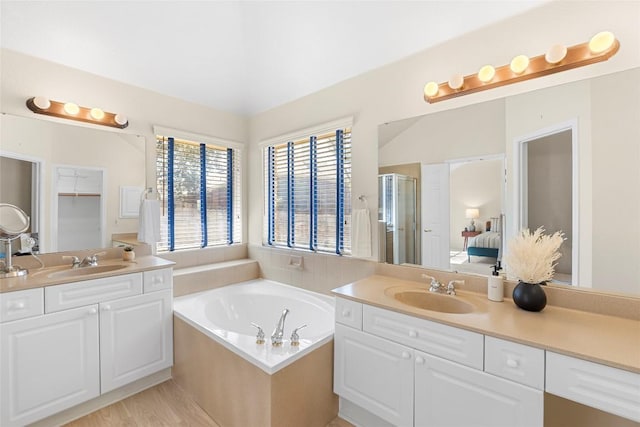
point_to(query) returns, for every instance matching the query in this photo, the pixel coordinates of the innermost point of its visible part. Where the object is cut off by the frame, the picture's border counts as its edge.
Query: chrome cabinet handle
(420, 360)
(93, 310)
(406, 355)
(413, 334)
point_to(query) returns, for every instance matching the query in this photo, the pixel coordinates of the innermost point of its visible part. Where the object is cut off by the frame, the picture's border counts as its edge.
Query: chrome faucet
(278, 332)
(91, 260)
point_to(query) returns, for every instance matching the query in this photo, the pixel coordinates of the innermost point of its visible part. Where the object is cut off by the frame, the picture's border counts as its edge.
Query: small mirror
(13, 222)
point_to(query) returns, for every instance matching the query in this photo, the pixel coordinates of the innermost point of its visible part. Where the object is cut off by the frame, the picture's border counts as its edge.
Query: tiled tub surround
(86, 339)
(242, 383)
(590, 358)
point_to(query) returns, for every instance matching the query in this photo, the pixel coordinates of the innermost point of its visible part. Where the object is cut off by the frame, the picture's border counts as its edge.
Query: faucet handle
(295, 338)
(75, 261)
(259, 335)
(451, 289)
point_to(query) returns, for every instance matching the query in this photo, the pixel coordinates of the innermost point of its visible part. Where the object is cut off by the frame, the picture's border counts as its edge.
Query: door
(136, 336)
(375, 374)
(435, 216)
(49, 363)
(449, 394)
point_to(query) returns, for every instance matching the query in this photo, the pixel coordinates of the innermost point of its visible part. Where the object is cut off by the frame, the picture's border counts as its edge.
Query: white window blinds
(199, 189)
(308, 193)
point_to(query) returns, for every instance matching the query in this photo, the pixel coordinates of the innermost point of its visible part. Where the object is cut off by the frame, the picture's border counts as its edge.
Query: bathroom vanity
(406, 366)
(66, 339)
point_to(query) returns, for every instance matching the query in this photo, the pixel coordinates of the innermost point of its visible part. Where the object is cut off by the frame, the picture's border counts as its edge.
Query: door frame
(520, 204)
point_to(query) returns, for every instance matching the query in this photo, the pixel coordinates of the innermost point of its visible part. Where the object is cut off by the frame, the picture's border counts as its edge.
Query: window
(308, 193)
(199, 189)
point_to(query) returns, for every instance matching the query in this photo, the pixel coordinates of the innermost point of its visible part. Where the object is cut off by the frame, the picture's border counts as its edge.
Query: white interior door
(435, 216)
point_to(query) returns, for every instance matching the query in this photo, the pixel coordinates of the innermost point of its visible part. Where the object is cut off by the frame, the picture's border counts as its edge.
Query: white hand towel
(361, 234)
(149, 222)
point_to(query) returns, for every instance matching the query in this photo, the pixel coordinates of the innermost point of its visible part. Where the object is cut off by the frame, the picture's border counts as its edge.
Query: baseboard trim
(359, 416)
(104, 400)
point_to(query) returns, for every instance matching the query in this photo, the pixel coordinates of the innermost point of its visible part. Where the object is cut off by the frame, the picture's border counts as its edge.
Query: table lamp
(472, 213)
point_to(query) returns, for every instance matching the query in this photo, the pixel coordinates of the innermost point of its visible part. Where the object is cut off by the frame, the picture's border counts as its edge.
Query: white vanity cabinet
(49, 363)
(412, 372)
(136, 338)
(375, 374)
(90, 339)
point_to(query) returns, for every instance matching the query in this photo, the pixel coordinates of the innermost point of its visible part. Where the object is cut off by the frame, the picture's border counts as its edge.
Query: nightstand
(466, 235)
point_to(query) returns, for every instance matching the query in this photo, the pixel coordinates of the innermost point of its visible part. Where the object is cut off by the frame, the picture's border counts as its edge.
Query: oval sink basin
(434, 302)
(86, 271)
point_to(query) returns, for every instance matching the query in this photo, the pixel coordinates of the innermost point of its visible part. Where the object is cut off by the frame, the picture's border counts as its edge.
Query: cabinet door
(375, 374)
(48, 363)
(449, 394)
(136, 338)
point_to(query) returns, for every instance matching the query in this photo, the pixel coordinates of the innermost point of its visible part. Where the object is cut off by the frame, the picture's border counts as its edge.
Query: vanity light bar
(71, 111)
(559, 58)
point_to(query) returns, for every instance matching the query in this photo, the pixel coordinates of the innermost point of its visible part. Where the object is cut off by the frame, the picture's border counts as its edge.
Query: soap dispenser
(495, 289)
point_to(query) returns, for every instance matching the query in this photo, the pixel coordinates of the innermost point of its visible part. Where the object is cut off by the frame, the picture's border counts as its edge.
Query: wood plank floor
(165, 404)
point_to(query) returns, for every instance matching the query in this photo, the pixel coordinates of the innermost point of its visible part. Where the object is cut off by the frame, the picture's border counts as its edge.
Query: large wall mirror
(564, 157)
(78, 184)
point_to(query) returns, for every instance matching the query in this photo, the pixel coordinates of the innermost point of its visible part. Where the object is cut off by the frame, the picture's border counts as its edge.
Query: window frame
(234, 193)
(309, 136)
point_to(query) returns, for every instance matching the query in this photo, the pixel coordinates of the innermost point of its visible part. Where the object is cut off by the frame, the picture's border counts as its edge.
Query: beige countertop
(38, 278)
(609, 340)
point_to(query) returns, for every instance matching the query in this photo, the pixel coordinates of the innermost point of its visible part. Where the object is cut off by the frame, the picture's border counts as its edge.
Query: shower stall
(397, 219)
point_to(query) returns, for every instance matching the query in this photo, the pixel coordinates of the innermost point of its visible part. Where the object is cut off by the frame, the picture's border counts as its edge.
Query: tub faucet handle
(295, 338)
(259, 335)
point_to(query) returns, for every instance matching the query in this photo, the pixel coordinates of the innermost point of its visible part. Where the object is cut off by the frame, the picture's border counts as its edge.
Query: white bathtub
(225, 314)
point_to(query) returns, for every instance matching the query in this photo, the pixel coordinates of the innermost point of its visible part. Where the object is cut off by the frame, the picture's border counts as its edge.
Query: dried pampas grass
(531, 256)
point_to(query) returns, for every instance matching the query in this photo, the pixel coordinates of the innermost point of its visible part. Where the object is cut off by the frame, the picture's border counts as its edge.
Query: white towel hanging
(149, 221)
(361, 234)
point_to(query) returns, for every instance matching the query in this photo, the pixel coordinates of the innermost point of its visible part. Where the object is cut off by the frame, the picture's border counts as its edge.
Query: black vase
(529, 296)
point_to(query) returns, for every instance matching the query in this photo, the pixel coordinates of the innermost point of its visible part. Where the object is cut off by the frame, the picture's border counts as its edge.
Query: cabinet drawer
(157, 280)
(349, 313)
(21, 304)
(515, 362)
(612, 390)
(434, 338)
(62, 297)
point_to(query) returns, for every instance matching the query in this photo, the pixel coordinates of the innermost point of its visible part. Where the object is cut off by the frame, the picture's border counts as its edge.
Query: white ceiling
(239, 56)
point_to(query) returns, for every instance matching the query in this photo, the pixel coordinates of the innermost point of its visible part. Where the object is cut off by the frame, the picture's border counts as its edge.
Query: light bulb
(519, 64)
(431, 89)
(97, 113)
(456, 81)
(486, 73)
(555, 54)
(601, 42)
(120, 119)
(71, 108)
(41, 102)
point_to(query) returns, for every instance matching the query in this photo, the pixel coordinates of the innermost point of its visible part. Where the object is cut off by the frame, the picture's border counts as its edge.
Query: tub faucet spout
(278, 332)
